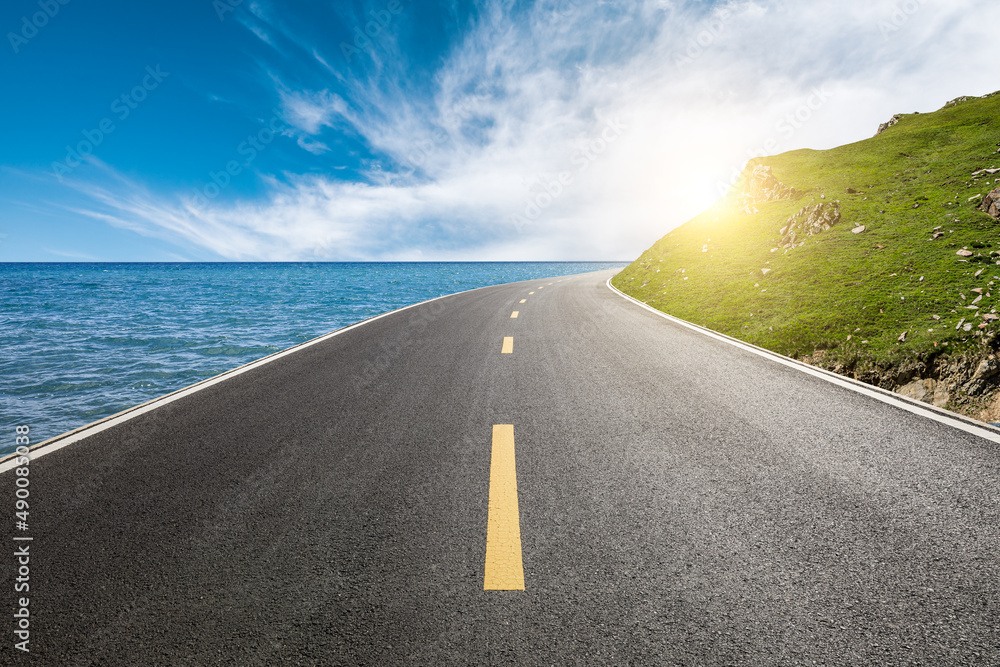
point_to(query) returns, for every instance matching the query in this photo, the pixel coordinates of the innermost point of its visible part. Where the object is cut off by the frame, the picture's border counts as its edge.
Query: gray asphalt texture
(682, 502)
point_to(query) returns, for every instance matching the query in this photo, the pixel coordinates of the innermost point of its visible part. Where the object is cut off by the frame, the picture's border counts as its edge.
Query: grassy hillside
(852, 296)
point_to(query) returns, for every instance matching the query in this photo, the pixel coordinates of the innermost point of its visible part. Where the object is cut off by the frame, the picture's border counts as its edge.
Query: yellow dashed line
(508, 345)
(523, 300)
(513, 315)
(530, 293)
(504, 566)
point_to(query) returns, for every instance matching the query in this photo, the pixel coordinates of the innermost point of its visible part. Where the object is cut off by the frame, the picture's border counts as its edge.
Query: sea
(79, 342)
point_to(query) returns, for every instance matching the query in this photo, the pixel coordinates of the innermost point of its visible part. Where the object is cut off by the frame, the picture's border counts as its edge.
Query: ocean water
(84, 341)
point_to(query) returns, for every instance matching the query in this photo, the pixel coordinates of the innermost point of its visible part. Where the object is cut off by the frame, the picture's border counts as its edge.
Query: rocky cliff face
(811, 220)
(760, 186)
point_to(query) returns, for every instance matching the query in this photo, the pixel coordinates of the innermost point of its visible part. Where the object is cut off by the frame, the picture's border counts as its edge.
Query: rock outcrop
(959, 100)
(986, 370)
(892, 121)
(811, 220)
(991, 204)
(760, 186)
(967, 384)
(927, 391)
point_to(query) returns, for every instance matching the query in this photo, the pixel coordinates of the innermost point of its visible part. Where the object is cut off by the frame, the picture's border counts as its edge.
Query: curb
(931, 412)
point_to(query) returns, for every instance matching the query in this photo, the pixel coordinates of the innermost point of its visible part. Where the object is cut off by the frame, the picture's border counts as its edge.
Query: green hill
(908, 303)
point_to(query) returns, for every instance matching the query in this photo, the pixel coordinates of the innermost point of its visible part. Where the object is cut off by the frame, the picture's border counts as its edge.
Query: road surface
(679, 501)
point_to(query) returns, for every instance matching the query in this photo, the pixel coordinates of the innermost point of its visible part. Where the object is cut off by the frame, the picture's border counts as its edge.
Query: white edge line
(896, 400)
(10, 461)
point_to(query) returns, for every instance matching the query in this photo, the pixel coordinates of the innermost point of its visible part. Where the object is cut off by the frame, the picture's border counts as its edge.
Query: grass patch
(852, 295)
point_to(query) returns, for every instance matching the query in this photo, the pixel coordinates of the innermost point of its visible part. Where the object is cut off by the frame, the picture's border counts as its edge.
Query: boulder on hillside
(991, 204)
(760, 186)
(892, 121)
(811, 220)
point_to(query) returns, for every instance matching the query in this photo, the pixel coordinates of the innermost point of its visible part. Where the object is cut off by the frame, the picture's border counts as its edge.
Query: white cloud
(520, 101)
(311, 112)
(314, 147)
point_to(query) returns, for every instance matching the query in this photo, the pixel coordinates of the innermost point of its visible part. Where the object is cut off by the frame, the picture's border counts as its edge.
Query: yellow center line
(513, 315)
(530, 293)
(523, 300)
(504, 566)
(508, 345)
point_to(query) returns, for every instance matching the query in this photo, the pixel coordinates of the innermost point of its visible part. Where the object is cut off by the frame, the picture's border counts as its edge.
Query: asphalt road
(681, 502)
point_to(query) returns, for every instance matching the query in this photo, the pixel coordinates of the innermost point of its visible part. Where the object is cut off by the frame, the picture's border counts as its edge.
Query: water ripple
(83, 341)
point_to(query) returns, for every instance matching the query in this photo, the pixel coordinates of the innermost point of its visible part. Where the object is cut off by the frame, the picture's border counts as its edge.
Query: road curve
(681, 502)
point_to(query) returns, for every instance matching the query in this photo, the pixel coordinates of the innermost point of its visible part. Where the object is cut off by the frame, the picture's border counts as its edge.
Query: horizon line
(372, 261)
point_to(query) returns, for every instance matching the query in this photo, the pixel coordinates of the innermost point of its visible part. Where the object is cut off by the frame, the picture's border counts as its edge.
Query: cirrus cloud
(504, 151)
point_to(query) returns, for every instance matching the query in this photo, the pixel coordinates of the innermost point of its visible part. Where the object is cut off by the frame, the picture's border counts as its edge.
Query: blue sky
(400, 130)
